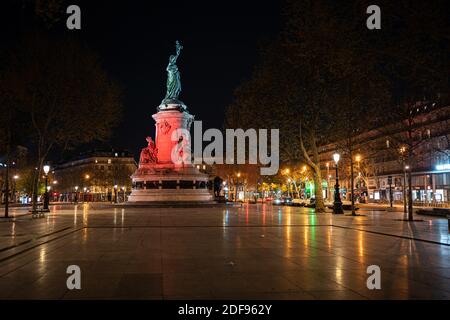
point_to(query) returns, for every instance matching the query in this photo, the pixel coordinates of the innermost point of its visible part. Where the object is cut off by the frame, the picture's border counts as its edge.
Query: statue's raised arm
(179, 47)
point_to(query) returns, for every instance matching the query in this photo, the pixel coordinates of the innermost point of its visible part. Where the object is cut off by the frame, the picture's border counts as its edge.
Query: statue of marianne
(173, 77)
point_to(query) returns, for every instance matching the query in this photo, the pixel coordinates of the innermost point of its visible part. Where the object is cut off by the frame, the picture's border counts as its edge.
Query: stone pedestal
(167, 122)
(164, 180)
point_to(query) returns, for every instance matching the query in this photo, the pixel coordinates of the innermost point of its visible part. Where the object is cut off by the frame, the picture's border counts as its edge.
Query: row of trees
(54, 93)
(327, 78)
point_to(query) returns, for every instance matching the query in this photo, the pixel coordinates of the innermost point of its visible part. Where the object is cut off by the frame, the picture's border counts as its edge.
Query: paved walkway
(249, 252)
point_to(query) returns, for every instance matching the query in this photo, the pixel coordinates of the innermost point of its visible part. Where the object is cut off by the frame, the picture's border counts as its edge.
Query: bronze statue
(173, 77)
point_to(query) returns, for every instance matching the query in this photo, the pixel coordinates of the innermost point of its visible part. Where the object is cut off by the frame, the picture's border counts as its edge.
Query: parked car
(311, 203)
(286, 201)
(298, 202)
(282, 201)
(277, 201)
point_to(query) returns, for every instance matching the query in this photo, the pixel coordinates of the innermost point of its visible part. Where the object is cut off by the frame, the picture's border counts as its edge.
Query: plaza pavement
(245, 252)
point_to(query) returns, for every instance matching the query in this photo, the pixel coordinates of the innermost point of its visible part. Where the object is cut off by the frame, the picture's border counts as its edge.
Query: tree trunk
(296, 189)
(320, 206)
(314, 164)
(37, 174)
(8, 162)
(352, 185)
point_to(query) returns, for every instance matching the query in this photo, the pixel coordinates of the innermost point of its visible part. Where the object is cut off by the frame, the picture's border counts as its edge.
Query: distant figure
(217, 186)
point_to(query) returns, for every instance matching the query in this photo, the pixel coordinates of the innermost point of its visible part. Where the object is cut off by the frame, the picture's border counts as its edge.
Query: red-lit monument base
(157, 178)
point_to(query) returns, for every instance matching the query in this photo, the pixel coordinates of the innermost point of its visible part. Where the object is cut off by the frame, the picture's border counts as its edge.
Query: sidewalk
(17, 209)
(186, 253)
(395, 207)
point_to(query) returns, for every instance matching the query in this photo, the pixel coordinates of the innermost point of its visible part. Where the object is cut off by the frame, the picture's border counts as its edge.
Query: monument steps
(175, 204)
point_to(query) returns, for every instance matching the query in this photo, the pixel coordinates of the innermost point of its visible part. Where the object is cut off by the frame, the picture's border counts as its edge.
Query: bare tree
(67, 95)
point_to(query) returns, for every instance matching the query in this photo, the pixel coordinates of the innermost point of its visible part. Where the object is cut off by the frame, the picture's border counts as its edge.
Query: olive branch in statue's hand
(178, 46)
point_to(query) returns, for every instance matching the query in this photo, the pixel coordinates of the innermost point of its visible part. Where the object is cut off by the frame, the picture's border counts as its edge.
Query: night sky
(135, 38)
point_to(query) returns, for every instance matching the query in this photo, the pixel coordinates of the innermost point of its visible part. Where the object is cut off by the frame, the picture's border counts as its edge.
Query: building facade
(95, 176)
(383, 158)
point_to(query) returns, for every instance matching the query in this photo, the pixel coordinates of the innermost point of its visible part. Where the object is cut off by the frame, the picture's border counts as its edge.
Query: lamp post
(15, 177)
(224, 184)
(54, 183)
(289, 181)
(236, 187)
(84, 194)
(49, 193)
(289, 187)
(86, 183)
(405, 188)
(328, 180)
(115, 194)
(46, 195)
(405, 167)
(352, 182)
(337, 206)
(358, 161)
(6, 187)
(329, 190)
(76, 194)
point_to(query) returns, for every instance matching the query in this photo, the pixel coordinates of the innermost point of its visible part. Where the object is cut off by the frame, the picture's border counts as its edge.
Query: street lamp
(352, 181)
(328, 181)
(337, 206)
(358, 160)
(236, 187)
(409, 197)
(84, 194)
(15, 177)
(76, 194)
(289, 187)
(402, 151)
(46, 195)
(115, 194)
